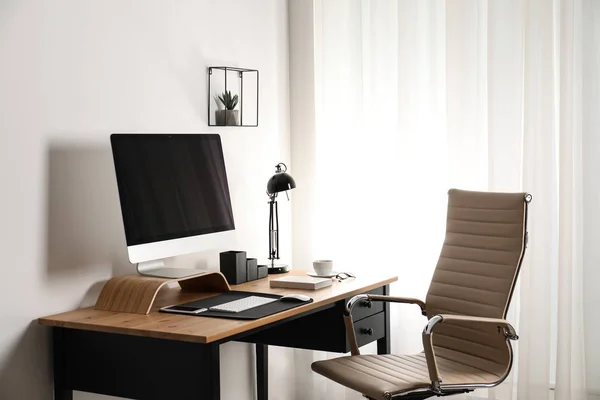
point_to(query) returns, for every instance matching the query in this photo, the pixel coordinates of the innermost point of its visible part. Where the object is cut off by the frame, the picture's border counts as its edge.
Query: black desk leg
(213, 364)
(384, 344)
(61, 390)
(262, 371)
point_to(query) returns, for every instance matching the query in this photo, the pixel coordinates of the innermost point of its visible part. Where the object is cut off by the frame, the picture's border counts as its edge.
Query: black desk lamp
(280, 182)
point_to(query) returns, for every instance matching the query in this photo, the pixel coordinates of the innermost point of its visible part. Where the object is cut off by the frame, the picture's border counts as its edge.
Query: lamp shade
(280, 182)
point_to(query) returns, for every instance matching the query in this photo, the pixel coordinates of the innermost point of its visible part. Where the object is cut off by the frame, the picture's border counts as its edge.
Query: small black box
(262, 271)
(233, 266)
(251, 269)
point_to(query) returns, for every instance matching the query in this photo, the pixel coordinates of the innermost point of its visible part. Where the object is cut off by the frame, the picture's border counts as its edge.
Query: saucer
(329, 275)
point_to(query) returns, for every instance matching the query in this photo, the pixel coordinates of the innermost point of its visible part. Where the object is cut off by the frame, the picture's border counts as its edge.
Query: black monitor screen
(171, 186)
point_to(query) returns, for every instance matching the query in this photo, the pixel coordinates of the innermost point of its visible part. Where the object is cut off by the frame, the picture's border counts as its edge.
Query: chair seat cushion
(381, 376)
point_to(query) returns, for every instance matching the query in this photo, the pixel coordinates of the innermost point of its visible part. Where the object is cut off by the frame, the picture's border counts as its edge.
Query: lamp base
(277, 269)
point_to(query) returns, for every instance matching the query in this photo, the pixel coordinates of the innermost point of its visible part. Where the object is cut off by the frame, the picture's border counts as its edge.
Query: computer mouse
(294, 297)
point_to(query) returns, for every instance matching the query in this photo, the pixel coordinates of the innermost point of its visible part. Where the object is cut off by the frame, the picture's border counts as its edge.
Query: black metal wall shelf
(240, 81)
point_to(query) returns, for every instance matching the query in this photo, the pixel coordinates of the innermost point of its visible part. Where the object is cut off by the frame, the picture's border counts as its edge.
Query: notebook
(300, 282)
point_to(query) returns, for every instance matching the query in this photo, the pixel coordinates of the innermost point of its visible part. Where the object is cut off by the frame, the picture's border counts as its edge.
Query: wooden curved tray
(136, 293)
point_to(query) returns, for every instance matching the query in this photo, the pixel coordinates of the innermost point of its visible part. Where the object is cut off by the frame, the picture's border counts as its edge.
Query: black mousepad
(253, 313)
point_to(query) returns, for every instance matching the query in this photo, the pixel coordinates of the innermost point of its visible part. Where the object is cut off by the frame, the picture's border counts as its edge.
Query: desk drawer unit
(370, 329)
(325, 330)
(364, 308)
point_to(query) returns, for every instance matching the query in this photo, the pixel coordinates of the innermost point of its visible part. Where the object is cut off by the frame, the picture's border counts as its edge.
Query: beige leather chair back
(476, 274)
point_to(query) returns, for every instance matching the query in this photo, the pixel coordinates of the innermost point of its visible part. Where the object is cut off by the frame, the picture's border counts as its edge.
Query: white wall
(71, 73)
(303, 127)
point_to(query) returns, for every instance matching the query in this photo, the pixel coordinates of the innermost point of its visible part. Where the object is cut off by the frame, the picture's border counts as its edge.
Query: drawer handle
(366, 303)
(366, 331)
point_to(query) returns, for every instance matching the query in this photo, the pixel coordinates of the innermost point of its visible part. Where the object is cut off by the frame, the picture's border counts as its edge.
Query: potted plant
(228, 116)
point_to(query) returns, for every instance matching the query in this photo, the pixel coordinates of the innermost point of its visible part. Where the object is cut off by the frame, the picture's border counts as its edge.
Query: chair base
(425, 395)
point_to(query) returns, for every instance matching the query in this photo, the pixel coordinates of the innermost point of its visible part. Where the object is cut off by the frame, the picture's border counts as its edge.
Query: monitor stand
(137, 294)
(157, 269)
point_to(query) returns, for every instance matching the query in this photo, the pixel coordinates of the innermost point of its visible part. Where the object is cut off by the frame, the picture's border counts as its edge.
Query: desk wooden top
(206, 329)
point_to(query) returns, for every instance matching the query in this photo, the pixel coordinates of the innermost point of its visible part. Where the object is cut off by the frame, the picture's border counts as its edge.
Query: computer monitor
(174, 196)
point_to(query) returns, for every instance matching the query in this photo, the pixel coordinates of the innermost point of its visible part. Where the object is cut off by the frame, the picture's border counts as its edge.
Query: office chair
(467, 339)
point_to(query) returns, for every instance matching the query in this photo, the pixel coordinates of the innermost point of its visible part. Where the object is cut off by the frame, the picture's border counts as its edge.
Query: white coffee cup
(323, 267)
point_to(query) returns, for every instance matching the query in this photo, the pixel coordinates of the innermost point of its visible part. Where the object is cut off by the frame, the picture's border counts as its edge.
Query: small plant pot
(227, 117)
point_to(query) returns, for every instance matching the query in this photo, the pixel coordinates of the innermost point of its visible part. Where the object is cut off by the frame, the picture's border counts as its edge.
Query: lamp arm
(276, 231)
(273, 229)
(270, 227)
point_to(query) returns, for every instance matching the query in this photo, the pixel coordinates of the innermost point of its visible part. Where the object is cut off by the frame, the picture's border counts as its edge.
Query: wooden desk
(159, 356)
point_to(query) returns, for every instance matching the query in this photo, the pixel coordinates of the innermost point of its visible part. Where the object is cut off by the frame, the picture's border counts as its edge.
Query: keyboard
(244, 304)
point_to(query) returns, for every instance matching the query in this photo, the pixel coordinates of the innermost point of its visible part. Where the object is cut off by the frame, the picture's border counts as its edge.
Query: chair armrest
(349, 323)
(389, 299)
(507, 329)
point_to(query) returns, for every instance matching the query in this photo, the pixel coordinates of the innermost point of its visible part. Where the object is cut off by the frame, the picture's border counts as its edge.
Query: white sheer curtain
(413, 97)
